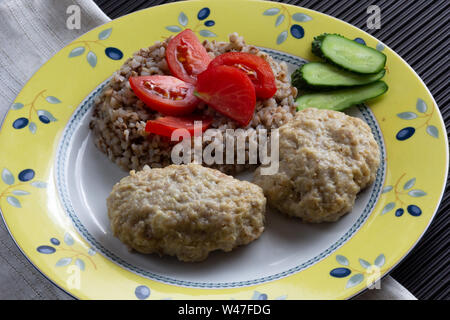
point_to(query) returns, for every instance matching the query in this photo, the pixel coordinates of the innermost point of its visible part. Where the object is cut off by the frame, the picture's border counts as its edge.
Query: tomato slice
(165, 126)
(256, 68)
(165, 94)
(229, 91)
(186, 57)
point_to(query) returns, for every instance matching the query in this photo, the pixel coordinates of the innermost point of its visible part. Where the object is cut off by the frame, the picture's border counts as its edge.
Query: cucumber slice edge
(380, 86)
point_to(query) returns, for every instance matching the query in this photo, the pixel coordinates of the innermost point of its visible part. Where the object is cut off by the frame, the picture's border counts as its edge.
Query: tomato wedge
(229, 91)
(256, 68)
(165, 94)
(165, 126)
(186, 57)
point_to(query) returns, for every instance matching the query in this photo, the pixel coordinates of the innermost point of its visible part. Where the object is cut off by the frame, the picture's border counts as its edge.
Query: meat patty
(185, 211)
(326, 157)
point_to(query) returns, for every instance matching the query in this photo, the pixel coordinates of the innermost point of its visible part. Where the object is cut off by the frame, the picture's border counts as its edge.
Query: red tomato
(165, 126)
(186, 57)
(229, 91)
(165, 94)
(256, 68)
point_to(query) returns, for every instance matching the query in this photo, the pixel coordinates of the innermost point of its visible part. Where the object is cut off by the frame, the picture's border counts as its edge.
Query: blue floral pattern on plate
(15, 188)
(87, 46)
(286, 20)
(371, 271)
(408, 190)
(35, 115)
(421, 114)
(71, 256)
(202, 27)
(142, 292)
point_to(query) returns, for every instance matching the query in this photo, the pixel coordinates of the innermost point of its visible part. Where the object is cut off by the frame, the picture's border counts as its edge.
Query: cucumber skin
(317, 45)
(299, 108)
(299, 81)
(316, 49)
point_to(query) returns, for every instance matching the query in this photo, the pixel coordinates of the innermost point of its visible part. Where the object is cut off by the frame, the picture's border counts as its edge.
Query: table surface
(417, 30)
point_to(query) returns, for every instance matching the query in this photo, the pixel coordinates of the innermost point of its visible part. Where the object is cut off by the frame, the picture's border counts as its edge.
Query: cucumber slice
(348, 54)
(319, 75)
(341, 99)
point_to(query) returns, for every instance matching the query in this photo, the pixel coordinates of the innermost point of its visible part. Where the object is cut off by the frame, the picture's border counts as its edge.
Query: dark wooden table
(418, 31)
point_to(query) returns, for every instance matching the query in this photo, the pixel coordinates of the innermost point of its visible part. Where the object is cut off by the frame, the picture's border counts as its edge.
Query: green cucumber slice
(341, 99)
(319, 75)
(348, 54)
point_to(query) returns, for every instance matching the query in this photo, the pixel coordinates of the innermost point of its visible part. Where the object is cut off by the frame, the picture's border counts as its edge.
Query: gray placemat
(31, 31)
